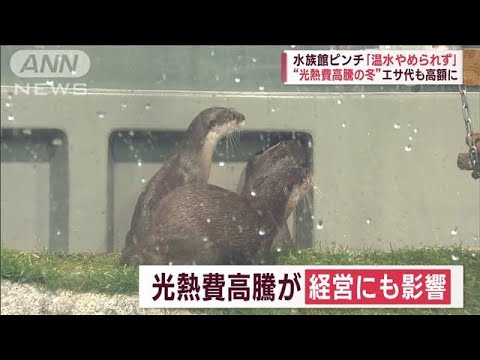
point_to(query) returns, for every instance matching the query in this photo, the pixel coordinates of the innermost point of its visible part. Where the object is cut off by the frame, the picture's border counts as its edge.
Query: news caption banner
(206, 286)
(374, 67)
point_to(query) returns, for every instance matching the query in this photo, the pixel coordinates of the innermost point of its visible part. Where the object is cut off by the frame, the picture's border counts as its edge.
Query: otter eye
(212, 124)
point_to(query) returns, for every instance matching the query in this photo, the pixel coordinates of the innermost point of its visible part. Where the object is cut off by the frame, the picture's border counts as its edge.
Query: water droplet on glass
(139, 163)
(454, 231)
(237, 80)
(212, 53)
(8, 104)
(312, 217)
(415, 131)
(208, 221)
(369, 221)
(339, 102)
(101, 114)
(408, 148)
(396, 126)
(362, 96)
(123, 106)
(320, 225)
(143, 180)
(344, 125)
(10, 118)
(254, 60)
(205, 239)
(272, 110)
(147, 106)
(261, 232)
(58, 232)
(27, 131)
(221, 163)
(253, 193)
(279, 249)
(261, 88)
(455, 258)
(410, 138)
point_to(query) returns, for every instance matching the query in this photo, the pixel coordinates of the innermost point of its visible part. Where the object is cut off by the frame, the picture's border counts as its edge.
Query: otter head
(283, 155)
(280, 192)
(214, 123)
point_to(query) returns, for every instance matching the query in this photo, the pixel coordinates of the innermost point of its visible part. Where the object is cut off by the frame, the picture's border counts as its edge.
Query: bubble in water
(131, 133)
(234, 218)
(312, 217)
(123, 106)
(300, 218)
(208, 221)
(344, 125)
(410, 138)
(157, 248)
(57, 142)
(139, 163)
(10, 96)
(454, 231)
(369, 221)
(49, 82)
(362, 96)
(261, 137)
(170, 263)
(473, 254)
(27, 131)
(408, 148)
(131, 147)
(396, 126)
(8, 104)
(254, 60)
(273, 109)
(73, 72)
(455, 258)
(339, 102)
(279, 249)
(293, 46)
(475, 237)
(237, 80)
(148, 106)
(212, 53)
(253, 193)
(10, 118)
(261, 232)
(240, 229)
(261, 88)
(205, 239)
(409, 125)
(58, 232)
(320, 225)
(217, 78)
(101, 114)
(143, 180)
(299, 251)
(415, 131)
(221, 163)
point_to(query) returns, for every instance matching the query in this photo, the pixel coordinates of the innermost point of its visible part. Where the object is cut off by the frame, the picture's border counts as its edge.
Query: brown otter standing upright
(190, 164)
(282, 155)
(205, 224)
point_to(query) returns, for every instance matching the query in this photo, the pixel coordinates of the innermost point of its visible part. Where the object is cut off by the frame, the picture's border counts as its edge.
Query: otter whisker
(315, 187)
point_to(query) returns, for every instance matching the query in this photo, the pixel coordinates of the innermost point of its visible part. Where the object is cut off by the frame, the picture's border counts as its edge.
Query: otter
(285, 154)
(205, 224)
(189, 164)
